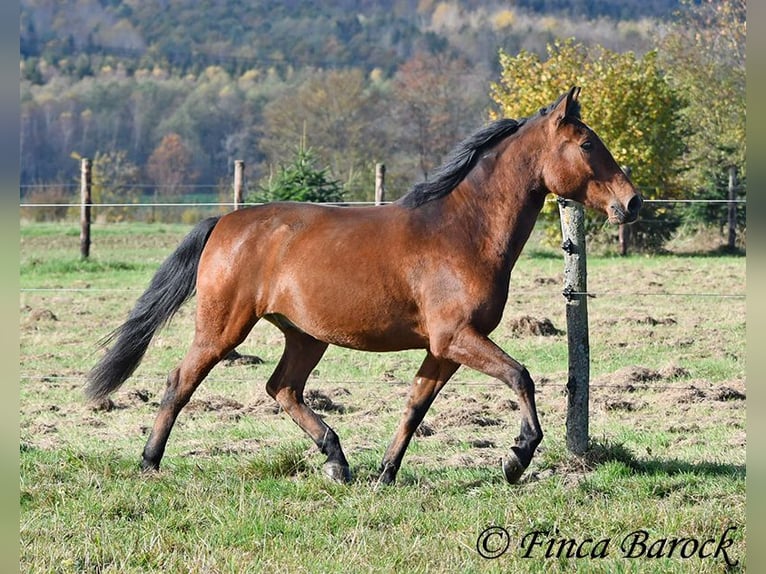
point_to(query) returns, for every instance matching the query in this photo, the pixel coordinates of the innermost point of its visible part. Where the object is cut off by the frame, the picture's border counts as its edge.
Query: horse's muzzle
(629, 213)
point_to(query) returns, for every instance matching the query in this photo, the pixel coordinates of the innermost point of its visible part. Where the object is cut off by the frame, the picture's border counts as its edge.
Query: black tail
(171, 286)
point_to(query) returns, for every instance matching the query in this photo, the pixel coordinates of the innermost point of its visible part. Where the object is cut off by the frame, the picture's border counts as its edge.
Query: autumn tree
(626, 99)
(169, 166)
(437, 101)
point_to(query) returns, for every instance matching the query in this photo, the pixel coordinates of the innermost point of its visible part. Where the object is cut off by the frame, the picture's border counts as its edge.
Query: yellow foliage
(376, 75)
(503, 19)
(625, 99)
(446, 15)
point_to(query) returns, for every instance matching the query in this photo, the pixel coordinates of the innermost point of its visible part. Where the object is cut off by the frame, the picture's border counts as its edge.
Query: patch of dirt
(482, 443)
(628, 377)
(138, 396)
(132, 398)
(498, 402)
(621, 405)
(476, 458)
(101, 405)
(37, 317)
(648, 320)
(728, 394)
(214, 403)
(94, 422)
(467, 416)
(244, 446)
(506, 405)
(236, 358)
(674, 372)
(691, 395)
(697, 392)
(320, 401)
(527, 325)
(263, 405)
(41, 428)
(424, 429)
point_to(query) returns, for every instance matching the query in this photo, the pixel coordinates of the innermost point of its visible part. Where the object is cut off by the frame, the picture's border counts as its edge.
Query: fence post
(380, 183)
(732, 208)
(575, 290)
(624, 229)
(85, 207)
(239, 183)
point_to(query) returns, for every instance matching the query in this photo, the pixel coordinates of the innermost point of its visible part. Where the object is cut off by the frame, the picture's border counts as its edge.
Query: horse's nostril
(634, 205)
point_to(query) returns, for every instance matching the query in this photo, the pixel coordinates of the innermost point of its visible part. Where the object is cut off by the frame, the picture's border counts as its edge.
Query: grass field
(241, 489)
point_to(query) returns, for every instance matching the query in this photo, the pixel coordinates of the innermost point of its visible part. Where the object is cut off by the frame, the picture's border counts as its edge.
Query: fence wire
(738, 201)
(212, 378)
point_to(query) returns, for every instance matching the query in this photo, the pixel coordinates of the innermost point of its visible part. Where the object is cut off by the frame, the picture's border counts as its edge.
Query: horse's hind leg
(215, 336)
(302, 353)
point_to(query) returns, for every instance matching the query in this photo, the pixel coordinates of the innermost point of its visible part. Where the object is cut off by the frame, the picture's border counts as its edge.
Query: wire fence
(549, 293)
(337, 203)
(232, 204)
(539, 294)
(218, 379)
(575, 290)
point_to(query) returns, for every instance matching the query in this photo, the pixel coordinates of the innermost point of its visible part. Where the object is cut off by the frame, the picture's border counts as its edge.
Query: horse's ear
(567, 106)
(573, 106)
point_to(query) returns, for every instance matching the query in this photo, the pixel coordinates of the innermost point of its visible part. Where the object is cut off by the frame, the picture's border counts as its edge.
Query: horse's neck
(497, 215)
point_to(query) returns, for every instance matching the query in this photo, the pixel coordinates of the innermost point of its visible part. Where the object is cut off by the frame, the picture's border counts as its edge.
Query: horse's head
(579, 166)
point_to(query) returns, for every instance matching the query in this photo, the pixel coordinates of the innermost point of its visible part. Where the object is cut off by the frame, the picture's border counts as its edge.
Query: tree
(335, 113)
(114, 180)
(435, 106)
(705, 48)
(169, 166)
(626, 100)
(300, 181)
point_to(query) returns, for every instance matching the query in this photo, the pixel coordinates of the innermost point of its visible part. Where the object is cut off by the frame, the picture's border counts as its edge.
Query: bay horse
(430, 271)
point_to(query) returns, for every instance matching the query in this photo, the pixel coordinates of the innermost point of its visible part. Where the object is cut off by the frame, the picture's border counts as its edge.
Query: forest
(165, 96)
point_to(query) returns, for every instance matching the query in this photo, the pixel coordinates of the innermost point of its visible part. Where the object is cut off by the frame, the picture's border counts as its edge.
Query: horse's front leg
(474, 350)
(431, 377)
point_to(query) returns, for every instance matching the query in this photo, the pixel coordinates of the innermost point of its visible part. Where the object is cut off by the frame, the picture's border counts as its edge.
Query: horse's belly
(355, 321)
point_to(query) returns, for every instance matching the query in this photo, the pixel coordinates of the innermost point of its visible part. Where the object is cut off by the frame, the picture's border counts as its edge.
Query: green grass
(262, 516)
(241, 488)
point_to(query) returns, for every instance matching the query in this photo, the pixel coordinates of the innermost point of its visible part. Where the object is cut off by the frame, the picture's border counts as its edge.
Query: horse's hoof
(384, 480)
(149, 467)
(512, 468)
(337, 472)
(387, 475)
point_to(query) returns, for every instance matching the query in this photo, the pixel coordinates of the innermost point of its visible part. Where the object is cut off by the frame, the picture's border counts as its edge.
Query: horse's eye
(587, 145)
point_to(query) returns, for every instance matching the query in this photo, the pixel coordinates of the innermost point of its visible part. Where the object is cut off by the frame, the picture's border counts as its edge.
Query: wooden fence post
(85, 207)
(380, 183)
(732, 242)
(575, 290)
(239, 183)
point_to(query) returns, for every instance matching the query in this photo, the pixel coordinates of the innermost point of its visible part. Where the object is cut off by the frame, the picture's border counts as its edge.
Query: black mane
(464, 157)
